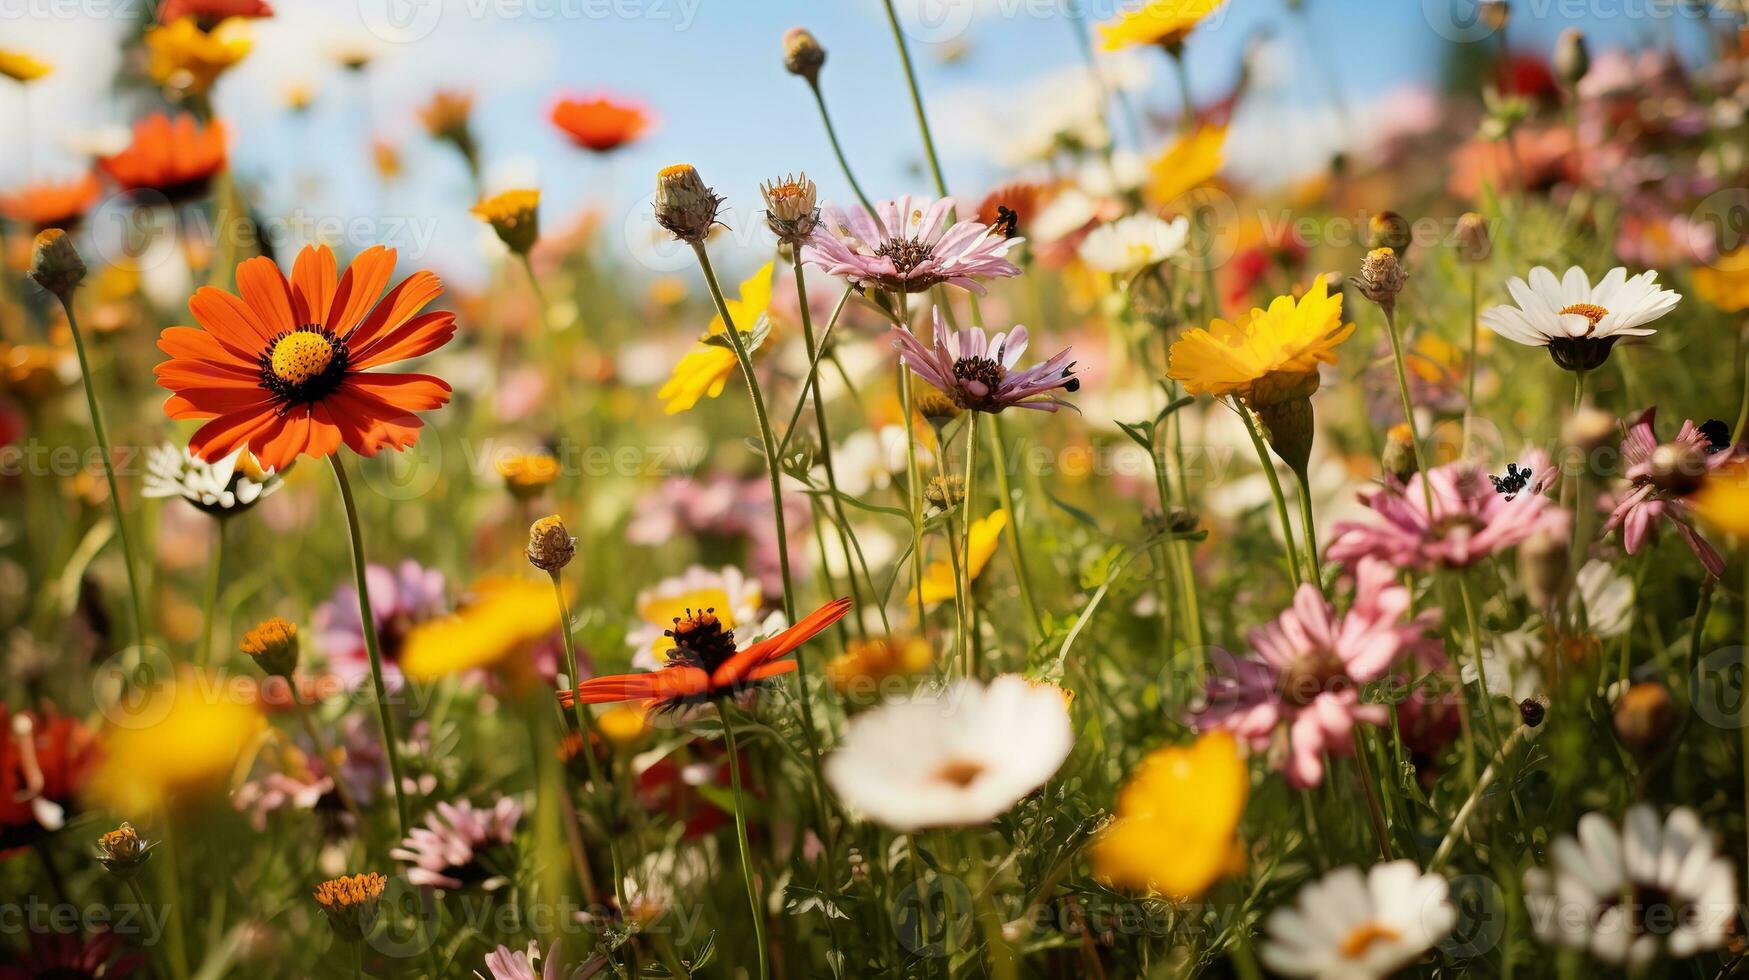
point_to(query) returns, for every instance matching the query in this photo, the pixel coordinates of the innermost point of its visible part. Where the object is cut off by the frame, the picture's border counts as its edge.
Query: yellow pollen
(1364, 937)
(677, 170)
(1589, 311)
(300, 356)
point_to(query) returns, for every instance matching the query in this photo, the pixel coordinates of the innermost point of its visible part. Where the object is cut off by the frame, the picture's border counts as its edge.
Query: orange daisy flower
(176, 159)
(601, 123)
(704, 664)
(208, 13)
(51, 205)
(284, 368)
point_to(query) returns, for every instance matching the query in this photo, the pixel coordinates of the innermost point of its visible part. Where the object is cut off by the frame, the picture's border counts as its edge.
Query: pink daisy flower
(909, 247)
(1661, 477)
(978, 372)
(1308, 669)
(1474, 516)
(505, 963)
(461, 846)
(400, 599)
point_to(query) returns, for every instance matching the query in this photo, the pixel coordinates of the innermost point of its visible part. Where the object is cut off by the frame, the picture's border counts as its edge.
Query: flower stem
(913, 478)
(1462, 819)
(1311, 528)
(916, 99)
(966, 539)
(843, 523)
(320, 745)
(585, 729)
(753, 902)
(1287, 526)
(210, 599)
(1475, 342)
(838, 151)
(372, 645)
(121, 525)
(1408, 406)
(1474, 626)
(1016, 551)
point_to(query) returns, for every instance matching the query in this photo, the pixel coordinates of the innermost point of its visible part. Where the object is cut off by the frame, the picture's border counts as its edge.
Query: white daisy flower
(1627, 895)
(735, 598)
(1346, 926)
(1129, 245)
(229, 486)
(952, 757)
(868, 460)
(1579, 323)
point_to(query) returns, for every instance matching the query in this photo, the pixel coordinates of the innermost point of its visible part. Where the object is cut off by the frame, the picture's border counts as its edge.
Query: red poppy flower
(284, 368)
(601, 123)
(207, 13)
(704, 664)
(57, 205)
(44, 764)
(176, 159)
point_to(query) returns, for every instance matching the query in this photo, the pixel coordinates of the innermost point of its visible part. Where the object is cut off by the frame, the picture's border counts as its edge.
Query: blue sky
(711, 71)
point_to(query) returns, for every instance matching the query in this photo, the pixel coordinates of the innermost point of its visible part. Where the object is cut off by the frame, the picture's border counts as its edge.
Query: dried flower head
(122, 850)
(791, 208)
(515, 216)
(525, 475)
(1398, 458)
(945, 492)
(1475, 243)
(1381, 277)
(802, 54)
(550, 545)
(1388, 229)
(350, 903)
(934, 406)
(56, 265)
(273, 645)
(684, 204)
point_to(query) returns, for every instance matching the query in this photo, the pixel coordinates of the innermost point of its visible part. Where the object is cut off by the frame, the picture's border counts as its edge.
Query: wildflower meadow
(1141, 489)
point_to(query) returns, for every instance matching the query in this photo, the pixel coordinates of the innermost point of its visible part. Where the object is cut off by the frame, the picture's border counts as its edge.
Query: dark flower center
(700, 640)
(303, 366)
(1310, 675)
(980, 369)
(1513, 483)
(1580, 353)
(906, 253)
(1652, 911)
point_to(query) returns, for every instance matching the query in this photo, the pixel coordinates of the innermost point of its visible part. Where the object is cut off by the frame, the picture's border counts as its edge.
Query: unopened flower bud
(802, 54)
(273, 645)
(550, 545)
(684, 205)
(791, 208)
(1388, 229)
(934, 407)
(1182, 520)
(1474, 242)
(350, 903)
(1398, 458)
(945, 492)
(1381, 277)
(1572, 57)
(1542, 567)
(122, 851)
(1534, 710)
(515, 216)
(1645, 716)
(56, 265)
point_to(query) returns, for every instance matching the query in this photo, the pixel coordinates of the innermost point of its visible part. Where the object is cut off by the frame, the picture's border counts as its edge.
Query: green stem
(913, 477)
(1475, 342)
(838, 151)
(320, 746)
(1187, 104)
(1462, 819)
(210, 598)
(175, 936)
(753, 902)
(843, 523)
(1016, 551)
(916, 100)
(585, 729)
(1408, 406)
(1311, 528)
(1473, 624)
(966, 539)
(372, 645)
(1287, 525)
(121, 525)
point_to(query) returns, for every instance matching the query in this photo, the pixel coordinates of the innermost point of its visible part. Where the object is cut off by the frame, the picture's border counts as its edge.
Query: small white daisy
(733, 596)
(1346, 926)
(952, 757)
(1129, 245)
(1627, 895)
(229, 486)
(1579, 323)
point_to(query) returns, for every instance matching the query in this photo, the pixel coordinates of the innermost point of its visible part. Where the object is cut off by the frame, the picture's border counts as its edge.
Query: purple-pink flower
(1308, 669)
(462, 846)
(909, 247)
(978, 372)
(399, 600)
(1473, 518)
(505, 963)
(1661, 477)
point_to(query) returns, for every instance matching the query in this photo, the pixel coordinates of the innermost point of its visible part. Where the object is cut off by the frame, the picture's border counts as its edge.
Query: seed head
(56, 265)
(1381, 277)
(684, 205)
(550, 545)
(791, 208)
(1474, 242)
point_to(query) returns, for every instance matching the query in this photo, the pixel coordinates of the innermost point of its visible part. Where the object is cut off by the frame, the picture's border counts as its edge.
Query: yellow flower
(185, 57)
(866, 662)
(178, 747)
(1268, 355)
(705, 370)
(622, 725)
(1163, 22)
(1190, 162)
(525, 475)
(504, 617)
(938, 577)
(1177, 820)
(515, 216)
(21, 67)
(1725, 285)
(1723, 500)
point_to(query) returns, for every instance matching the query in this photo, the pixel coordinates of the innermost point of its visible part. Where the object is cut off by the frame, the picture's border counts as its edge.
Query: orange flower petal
(408, 392)
(422, 335)
(396, 309)
(231, 321)
(359, 288)
(265, 290)
(314, 280)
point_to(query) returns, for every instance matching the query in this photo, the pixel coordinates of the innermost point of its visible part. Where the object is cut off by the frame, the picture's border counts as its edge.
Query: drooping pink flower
(978, 372)
(505, 963)
(400, 599)
(1308, 669)
(908, 246)
(1661, 477)
(462, 846)
(1474, 517)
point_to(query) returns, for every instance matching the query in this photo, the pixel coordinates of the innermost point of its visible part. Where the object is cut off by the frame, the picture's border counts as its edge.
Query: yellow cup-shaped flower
(178, 746)
(505, 616)
(1723, 500)
(938, 576)
(1176, 831)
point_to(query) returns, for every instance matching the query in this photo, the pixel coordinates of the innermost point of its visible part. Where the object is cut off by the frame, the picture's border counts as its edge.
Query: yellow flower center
(301, 355)
(1365, 937)
(1589, 311)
